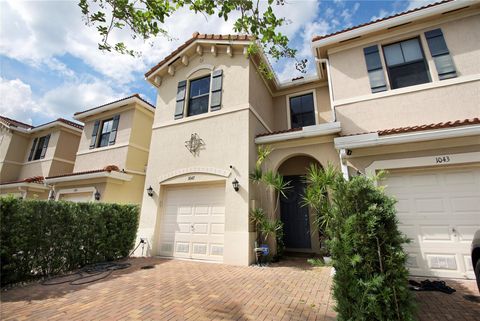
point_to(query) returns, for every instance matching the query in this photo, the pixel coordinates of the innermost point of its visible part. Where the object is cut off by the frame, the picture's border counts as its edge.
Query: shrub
(40, 238)
(371, 280)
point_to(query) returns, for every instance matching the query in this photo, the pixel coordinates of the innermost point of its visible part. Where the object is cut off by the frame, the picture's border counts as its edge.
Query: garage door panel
(439, 210)
(199, 216)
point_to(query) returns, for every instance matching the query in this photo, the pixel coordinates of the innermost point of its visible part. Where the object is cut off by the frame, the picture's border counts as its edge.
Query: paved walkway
(182, 290)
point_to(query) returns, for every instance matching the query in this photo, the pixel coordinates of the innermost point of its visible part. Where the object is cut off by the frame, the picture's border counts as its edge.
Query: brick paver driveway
(182, 290)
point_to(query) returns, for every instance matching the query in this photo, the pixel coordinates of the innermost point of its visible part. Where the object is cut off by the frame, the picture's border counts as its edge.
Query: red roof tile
(194, 37)
(316, 38)
(279, 132)
(448, 124)
(109, 168)
(116, 101)
(15, 123)
(34, 179)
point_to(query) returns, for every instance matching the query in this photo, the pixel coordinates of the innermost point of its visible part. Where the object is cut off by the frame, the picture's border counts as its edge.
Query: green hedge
(40, 238)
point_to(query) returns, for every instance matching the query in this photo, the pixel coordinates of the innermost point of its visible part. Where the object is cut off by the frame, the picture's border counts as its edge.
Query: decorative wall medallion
(194, 144)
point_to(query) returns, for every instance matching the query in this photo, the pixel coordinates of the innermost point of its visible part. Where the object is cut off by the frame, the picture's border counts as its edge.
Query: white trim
(426, 161)
(47, 126)
(23, 184)
(309, 131)
(135, 172)
(100, 149)
(373, 139)
(194, 70)
(73, 177)
(392, 22)
(11, 162)
(191, 170)
(136, 146)
(313, 91)
(410, 89)
(76, 191)
(114, 105)
(63, 160)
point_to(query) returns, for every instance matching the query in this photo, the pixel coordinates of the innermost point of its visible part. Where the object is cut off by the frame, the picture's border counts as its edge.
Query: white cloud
(381, 14)
(412, 4)
(18, 102)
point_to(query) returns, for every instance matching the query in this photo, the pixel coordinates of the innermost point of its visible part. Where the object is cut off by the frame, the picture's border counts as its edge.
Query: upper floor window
(203, 93)
(302, 111)
(39, 148)
(104, 132)
(198, 96)
(107, 126)
(406, 63)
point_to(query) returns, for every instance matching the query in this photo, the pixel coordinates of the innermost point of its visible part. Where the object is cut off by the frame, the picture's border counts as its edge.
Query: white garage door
(193, 223)
(439, 210)
(76, 197)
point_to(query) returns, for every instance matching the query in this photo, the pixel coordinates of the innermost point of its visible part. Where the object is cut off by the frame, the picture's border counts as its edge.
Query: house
(401, 93)
(112, 155)
(28, 154)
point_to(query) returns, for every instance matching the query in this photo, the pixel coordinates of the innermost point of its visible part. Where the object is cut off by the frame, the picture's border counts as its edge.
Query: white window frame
(301, 93)
(187, 93)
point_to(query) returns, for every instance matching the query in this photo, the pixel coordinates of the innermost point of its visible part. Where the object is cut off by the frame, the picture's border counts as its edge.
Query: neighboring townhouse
(400, 93)
(112, 156)
(28, 154)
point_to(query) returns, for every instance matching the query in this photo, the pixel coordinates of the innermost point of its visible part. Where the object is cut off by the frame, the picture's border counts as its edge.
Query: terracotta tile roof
(15, 123)
(109, 168)
(448, 124)
(194, 37)
(63, 120)
(316, 38)
(116, 101)
(34, 179)
(279, 132)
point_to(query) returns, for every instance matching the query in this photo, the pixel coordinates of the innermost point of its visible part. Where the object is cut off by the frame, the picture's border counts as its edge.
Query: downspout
(330, 85)
(343, 163)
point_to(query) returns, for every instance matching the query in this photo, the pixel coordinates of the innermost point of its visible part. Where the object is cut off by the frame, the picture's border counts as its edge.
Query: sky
(50, 66)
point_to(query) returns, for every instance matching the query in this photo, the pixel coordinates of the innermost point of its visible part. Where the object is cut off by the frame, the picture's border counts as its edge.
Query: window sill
(406, 90)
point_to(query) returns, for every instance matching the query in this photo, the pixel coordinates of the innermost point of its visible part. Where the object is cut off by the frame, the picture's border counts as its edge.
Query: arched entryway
(299, 232)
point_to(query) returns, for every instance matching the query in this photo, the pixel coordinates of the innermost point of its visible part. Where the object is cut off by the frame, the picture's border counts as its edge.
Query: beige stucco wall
(40, 167)
(260, 98)
(439, 104)
(96, 158)
(13, 148)
(67, 145)
(349, 72)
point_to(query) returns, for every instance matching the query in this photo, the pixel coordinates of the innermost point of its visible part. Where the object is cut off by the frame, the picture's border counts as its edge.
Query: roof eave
(113, 175)
(373, 139)
(111, 106)
(385, 24)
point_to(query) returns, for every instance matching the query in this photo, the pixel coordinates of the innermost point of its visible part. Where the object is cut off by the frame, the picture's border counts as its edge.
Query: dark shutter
(32, 150)
(113, 133)
(441, 55)
(375, 69)
(93, 142)
(181, 90)
(216, 99)
(45, 146)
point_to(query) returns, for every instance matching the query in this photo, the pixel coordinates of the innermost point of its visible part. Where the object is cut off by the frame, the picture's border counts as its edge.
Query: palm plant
(271, 185)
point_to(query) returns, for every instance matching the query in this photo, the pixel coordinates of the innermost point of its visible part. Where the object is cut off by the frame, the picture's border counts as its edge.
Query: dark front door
(295, 216)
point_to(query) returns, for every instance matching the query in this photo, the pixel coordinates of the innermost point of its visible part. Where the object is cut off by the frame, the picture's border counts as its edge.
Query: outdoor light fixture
(52, 196)
(236, 185)
(150, 191)
(97, 195)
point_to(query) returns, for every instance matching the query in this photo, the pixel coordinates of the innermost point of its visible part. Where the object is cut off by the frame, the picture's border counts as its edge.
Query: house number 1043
(442, 159)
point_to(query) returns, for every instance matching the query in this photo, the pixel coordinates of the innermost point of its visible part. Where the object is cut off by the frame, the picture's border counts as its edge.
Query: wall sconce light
(52, 196)
(150, 191)
(97, 195)
(236, 185)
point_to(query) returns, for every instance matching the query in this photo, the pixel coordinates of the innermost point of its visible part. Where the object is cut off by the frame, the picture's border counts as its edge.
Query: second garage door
(193, 223)
(439, 210)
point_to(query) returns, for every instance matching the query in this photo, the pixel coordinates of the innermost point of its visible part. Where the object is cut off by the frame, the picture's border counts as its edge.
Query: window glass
(406, 64)
(198, 96)
(373, 61)
(411, 50)
(38, 149)
(393, 54)
(302, 111)
(105, 132)
(377, 79)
